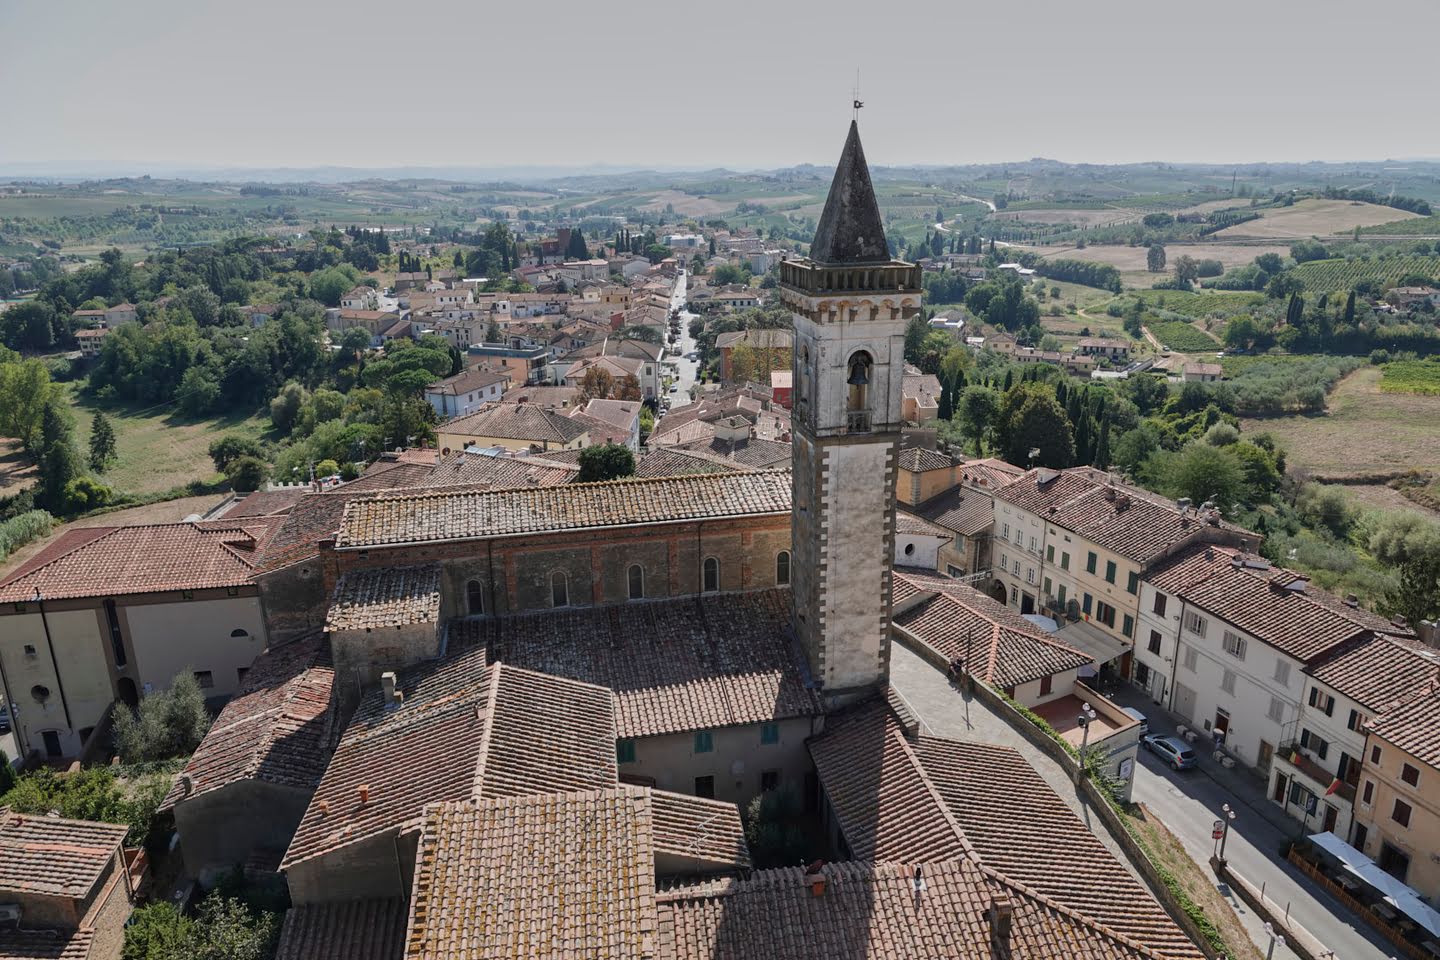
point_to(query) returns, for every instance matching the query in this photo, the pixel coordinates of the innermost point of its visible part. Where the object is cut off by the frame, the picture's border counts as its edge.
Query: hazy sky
(127, 84)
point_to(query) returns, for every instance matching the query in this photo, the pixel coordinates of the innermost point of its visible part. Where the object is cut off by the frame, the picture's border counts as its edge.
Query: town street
(687, 368)
(1189, 802)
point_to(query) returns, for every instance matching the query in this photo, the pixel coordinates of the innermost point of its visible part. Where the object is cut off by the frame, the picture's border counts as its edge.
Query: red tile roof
(675, 665)
(385, 597)
(484, 471)
(462, 729)
(1041, 842)
(961, 511)
(546, 877)
(443, 514)
(698, 829)
(1378, 671)
(874, 911)
(920, 460)
(275, 730)
(147, 559)
(956, 620)
(515, 421)
(349, 930)
(1414, 726)
(49, 856)
(46, 944)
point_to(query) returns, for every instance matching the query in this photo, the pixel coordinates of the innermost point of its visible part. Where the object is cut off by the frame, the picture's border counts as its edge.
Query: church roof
(851, 230)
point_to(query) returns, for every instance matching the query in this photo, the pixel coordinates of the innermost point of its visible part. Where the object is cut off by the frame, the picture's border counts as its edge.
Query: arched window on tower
(474, 597)
(857, 397)
(559, 589)
(712, 575)
(782, 568)
(636, 581)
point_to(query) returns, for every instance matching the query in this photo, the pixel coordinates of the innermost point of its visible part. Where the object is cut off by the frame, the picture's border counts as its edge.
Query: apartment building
(1397, 820)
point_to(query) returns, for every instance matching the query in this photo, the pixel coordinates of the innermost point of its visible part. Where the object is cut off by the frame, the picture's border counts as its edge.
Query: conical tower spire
(851, 230)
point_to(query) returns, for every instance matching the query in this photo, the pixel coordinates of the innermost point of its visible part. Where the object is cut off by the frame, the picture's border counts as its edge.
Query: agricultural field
(1411, 376)
(1202, 304)
(1412, 227)
(1181, 336)
(1364, 430)
(1130, 261)
(1318, 275)
(1314, 218)
(1070, 216)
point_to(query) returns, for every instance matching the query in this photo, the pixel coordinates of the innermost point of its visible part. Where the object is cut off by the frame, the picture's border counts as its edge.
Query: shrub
(607, 461)
(773, 828)
(91, 794)
(170, 723)
(25, 528)
(246, 474)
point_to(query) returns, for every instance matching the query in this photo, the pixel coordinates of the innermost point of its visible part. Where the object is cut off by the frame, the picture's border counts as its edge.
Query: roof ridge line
(482, 754)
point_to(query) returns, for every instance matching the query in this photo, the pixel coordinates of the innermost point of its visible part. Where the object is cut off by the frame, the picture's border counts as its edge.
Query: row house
(1226, 640)
(467, 391)
(1397, 821)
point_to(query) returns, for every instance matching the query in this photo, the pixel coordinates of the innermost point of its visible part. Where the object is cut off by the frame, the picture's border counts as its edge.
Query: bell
(857, 376)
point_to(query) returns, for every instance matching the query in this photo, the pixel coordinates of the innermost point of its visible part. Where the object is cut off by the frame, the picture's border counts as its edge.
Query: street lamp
(1275, 938)
(1087, 714)
(1228, 819)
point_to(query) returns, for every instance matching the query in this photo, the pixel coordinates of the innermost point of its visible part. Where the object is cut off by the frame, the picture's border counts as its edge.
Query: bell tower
(850, 302)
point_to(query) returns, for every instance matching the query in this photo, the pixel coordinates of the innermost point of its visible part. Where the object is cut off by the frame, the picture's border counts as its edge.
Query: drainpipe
(1175, 662)
(50, 643)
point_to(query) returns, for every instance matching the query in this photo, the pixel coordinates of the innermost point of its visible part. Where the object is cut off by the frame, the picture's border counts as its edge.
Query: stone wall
(224, 828)
(375, 867)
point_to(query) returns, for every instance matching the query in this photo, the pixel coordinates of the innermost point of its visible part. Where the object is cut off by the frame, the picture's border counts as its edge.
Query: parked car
(1174, 751)
(1143, 720)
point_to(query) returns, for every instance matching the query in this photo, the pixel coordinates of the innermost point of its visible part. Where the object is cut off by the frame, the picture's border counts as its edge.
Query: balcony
(857, 421)
(1293, 755)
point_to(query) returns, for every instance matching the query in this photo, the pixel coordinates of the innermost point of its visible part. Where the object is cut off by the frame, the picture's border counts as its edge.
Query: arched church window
(474, 597)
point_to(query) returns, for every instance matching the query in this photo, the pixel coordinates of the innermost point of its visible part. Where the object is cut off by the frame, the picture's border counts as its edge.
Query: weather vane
(858, 103)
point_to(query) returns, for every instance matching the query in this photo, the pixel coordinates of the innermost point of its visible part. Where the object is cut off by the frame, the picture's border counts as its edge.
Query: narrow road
(687, 368)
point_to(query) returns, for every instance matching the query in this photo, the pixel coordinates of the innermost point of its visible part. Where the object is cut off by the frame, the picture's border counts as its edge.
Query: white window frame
(1195, 623)
(1192, 660)
(1282, 672)
(1277, 710)
(1234, 645)
(1227, 681)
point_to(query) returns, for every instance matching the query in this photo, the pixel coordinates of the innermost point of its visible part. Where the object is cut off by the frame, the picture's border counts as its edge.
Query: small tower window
(857, 400)
(712, 575)
(474, 597)
(782, 568)
(636, 577)
(559, 589)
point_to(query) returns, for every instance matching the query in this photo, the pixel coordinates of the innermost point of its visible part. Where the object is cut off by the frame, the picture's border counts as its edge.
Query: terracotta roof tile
(1042, 843)
(462, 729)
(873, 910)
(457, 515)
(275, 730)
(886, 806)
(907, 522)
(49, 856)
(545, 877)
(485, 471)
(515, 421)
(385, 597)
(698, 829)
(1377, 671)
(147, 559)
(990, 472)
(960, 511)
(681, 462)
(349, 930)
(1414, 726)
(956, 620)
(920, 460)
(46, 944)
(674, 665)
(751, 452)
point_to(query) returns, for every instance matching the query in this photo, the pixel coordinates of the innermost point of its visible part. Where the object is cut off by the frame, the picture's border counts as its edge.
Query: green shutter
(1090, 562)
(1132, 584)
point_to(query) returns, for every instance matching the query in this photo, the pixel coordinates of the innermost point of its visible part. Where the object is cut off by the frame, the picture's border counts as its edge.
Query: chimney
(364, 792)
(1352, 601)
(1400, 621)
(1000, 915)
(392, 697)
(815, 878)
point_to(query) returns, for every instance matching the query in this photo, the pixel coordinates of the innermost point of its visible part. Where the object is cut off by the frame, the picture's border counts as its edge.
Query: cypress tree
(1350, 308)
(1082, 439)
(1102, 446)
(1009, 378)
(1060, 392)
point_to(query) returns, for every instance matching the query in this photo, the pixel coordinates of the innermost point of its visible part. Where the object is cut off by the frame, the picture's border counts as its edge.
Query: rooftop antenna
(856, 101)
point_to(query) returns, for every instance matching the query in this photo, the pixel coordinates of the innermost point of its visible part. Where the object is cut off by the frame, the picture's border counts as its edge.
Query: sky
(128, 86)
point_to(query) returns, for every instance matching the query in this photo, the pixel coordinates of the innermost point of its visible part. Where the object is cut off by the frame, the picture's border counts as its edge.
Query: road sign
(1218, 830)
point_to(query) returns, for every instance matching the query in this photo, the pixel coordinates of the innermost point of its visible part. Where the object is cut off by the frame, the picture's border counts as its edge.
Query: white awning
(1397, 894)
(1091, 640)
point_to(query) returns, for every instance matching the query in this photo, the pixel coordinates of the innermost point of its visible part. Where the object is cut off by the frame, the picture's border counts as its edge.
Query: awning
(1091, 640)
(1397, 894)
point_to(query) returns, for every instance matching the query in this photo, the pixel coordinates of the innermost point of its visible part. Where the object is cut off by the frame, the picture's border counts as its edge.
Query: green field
(1327, 275)
(158, 450)
(1415, 226)
(1411, 376)
(1205, 304)
(1182, 336)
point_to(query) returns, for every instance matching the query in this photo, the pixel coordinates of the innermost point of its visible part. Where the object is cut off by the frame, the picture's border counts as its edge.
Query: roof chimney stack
(1000, 915)
(392, 696)
(815, 877)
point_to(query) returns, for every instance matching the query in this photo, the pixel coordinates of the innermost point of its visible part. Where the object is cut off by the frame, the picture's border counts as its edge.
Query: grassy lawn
(157, 449)
(1364, 431)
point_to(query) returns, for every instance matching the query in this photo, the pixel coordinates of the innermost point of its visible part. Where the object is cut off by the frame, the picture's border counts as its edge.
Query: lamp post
(1086, 716)
(1228, 819)
(1275, 938)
